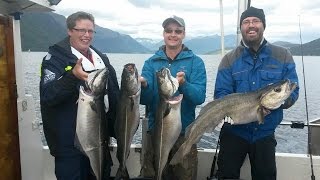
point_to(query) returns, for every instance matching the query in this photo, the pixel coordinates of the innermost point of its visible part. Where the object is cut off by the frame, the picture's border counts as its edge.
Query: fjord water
(289, 140)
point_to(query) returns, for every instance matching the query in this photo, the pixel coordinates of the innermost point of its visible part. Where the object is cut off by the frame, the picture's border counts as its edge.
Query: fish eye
(277, 89)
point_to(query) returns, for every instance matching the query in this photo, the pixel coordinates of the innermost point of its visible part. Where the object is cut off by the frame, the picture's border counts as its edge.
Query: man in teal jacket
(191, 74)
(254, 64)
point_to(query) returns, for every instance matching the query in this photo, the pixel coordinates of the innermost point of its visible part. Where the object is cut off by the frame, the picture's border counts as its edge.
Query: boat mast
(222, 29)
(242, 6)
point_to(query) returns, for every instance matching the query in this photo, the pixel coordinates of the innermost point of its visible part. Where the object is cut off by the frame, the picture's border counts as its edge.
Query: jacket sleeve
(194, 88)
(291, 74)
(224, 83)
(113, 97)
(57, 83)
(147, 92)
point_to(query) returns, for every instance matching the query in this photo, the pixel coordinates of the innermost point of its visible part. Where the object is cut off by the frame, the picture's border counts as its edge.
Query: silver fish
(241, 107)
(90, 127)
(167, 121)
(128, 116)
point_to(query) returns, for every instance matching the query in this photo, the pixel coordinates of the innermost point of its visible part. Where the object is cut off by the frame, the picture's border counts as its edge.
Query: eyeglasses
(177, 31)
(83, 31)
(254, 22)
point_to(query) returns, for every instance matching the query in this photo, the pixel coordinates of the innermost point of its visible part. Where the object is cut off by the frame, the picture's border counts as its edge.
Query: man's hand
(78, 71)
(181, 77)
(143, 81)
(226, 119)
(287, 103)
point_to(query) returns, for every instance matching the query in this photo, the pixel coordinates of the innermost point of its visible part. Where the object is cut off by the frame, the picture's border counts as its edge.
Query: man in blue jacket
(63, 70)
(191, 74)
(252, 65)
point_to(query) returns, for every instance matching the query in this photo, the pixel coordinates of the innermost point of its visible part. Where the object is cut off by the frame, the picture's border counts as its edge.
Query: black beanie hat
(253, 12)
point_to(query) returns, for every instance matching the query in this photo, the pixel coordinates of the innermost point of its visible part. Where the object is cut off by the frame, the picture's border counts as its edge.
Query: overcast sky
(143, 18)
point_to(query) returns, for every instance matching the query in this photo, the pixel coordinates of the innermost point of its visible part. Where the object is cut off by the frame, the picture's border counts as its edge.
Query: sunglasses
(177, 31)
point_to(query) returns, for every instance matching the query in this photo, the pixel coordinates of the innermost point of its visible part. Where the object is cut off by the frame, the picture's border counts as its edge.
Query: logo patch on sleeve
(48, 76)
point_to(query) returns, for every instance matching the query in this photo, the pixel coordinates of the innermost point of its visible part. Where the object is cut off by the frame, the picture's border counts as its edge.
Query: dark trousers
(73, 165)
(233, 150)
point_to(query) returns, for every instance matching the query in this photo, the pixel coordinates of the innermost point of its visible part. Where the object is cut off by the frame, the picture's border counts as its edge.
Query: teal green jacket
(193, 90)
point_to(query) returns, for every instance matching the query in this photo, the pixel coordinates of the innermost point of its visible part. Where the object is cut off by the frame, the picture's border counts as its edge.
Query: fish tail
(122, 174)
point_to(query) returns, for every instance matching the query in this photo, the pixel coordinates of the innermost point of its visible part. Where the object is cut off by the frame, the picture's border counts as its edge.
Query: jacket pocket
(269, 77)
(242, 81)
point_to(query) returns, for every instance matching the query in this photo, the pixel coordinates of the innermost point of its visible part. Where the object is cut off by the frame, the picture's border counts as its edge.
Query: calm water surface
(289, 140)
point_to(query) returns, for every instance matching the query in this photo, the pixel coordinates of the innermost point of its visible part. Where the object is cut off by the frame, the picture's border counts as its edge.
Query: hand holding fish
(143, 81)
(180, 77)
(226, 119)
(78, 71)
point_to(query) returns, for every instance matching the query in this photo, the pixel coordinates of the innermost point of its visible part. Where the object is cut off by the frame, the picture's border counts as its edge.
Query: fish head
(97, 81)
(167, 84)
(276, 94)
(130, 79)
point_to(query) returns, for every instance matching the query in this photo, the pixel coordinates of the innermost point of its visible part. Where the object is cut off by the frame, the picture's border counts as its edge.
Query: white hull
(289, 166)
(37, 164)
(41, 167)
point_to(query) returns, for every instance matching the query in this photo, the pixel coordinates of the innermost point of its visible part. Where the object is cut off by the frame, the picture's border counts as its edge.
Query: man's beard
(252, 42)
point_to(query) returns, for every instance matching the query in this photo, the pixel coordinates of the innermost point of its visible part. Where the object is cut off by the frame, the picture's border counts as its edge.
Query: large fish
(128, 116)
(91, 128)
(168, 119)
(241, 107)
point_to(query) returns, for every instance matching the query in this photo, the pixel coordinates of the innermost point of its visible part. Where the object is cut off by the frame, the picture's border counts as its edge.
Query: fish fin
(122, 174)
(131, 103)
(93, 106)
(167, 110)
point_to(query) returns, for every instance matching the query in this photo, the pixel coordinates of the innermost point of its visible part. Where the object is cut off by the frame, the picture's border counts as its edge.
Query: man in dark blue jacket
(252, 65)
(190, 72)
(63, 70)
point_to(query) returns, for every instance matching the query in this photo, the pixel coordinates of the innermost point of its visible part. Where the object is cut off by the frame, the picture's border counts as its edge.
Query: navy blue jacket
(193, 90)
(243, 70)
(59, 92)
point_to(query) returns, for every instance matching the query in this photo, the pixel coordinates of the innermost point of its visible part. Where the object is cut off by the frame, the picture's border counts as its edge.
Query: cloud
(141, 3)
(143, 18)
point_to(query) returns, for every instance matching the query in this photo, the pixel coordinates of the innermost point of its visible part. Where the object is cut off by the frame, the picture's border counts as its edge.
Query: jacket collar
(250, 55)
(184, 53)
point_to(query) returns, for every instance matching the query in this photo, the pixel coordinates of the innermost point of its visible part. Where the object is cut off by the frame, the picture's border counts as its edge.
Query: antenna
(306, 102)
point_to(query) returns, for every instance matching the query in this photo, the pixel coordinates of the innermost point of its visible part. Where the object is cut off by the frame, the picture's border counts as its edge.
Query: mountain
(199, 45)
(285, 44)
(204, 45)
(152, 44)
(41, 30)
(311, 48)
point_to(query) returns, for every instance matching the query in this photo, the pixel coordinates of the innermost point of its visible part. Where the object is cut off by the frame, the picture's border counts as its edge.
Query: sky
(143, 18)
